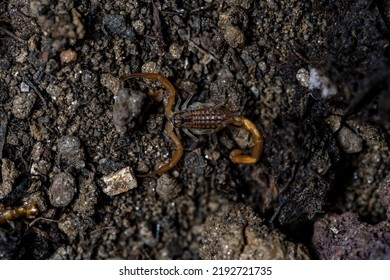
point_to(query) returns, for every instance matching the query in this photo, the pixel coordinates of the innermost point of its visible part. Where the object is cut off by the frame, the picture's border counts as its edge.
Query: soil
(314, 76)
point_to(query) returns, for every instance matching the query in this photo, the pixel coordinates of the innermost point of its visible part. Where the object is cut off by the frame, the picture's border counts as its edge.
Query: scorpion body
(202, 118)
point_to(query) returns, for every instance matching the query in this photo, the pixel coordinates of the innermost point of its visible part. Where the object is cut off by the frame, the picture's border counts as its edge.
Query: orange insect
(201, 118)
(29, 210)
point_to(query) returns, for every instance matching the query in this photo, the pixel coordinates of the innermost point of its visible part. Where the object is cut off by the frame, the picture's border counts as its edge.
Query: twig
(35, 89)
(157, 28)
(9, 33)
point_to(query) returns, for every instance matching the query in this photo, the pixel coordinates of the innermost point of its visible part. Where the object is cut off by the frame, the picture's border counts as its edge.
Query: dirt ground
(314, 76)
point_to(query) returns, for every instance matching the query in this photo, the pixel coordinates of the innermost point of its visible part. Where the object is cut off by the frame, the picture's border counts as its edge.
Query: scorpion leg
(177, 154)
(165, 82)
(193, 137)
(237, 155)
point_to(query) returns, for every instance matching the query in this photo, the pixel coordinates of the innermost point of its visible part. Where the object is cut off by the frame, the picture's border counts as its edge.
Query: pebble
(176, 50)
(303, 77)
(111, 82)
(334, 122)
(24, 87)
(150, 67)
(68, 225)
(119, 182)
(62, 190)
(68, 56)
(70, 151)
(138, 26)
(116, 24)
(167, 187)
(23, 104)
(233, 36)
(349, 141)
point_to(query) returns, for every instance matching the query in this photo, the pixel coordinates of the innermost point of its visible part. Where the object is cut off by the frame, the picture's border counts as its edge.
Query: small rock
(119, 182)
(349, 141)
(167, 187)
(116, 24)
(334, 122)
(8, 175)
(22, 104)
(303, 77)
(68, 56)
(37, 151)
(111, 82)
(176, 50)
(24, 87)
(62, 190)
(70, 151)
(233, 36)
(41, 159)
(68, 226)
(22, 57)
(127, 107)
(150, 67)
(40, 167)
(138, 26)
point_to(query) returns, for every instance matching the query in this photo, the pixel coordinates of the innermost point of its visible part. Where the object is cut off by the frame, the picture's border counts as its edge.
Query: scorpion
(201, 118)
(10, 213)
(29, 210)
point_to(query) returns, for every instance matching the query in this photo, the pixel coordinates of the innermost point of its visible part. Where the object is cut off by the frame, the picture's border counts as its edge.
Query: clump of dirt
(312, 75)
(346, 237)
(237, 233)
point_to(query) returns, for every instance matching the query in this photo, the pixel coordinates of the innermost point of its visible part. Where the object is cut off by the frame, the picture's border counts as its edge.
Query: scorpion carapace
(202, 118)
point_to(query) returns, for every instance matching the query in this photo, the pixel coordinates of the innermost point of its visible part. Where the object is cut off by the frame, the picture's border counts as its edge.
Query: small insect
(201, 118)
(8, 214)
